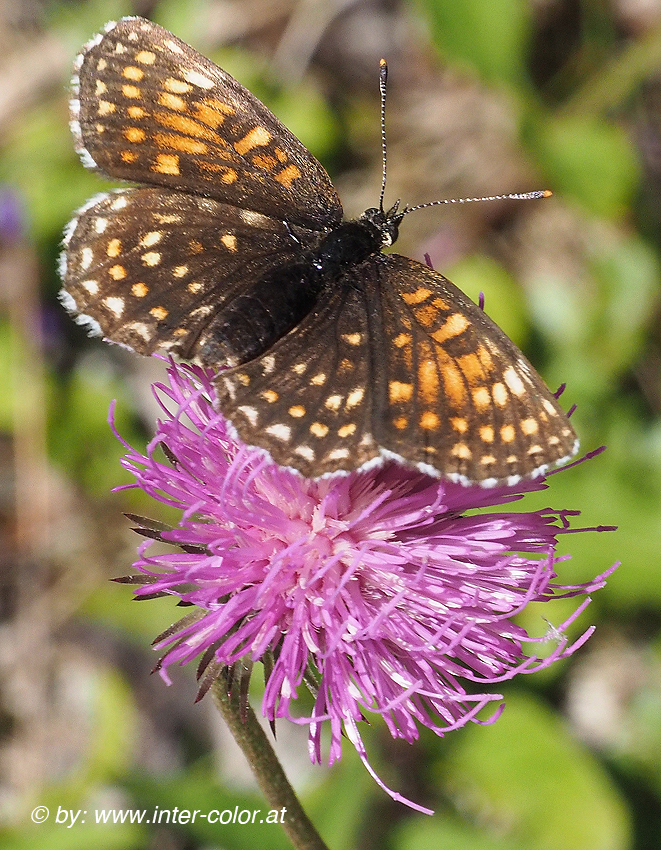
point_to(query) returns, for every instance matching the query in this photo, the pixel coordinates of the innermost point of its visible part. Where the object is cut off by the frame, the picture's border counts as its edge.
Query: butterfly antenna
(512, 196)
(383, 81)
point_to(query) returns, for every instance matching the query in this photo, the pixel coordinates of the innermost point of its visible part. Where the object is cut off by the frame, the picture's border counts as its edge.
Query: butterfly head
(386, 222)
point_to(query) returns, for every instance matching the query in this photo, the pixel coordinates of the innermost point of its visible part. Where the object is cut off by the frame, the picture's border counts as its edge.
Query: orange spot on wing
(159, 313)
(212, 112)
(453, 326)
(453, 383)
(485, 358)
(507, 433)
(184, 125)
(166, 164)
(428, 380)
(287, 176)
(180, 143)
(421, 294)
(472, 368)
(429, 421)
(134, 135)
(481, 398)
(172, 101)
(257, 137)
(427, 315)
(399, 392)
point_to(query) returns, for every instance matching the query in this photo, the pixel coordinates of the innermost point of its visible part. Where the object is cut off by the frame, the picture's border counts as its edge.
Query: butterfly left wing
(151, 268)
(398, 362)
(149, 108)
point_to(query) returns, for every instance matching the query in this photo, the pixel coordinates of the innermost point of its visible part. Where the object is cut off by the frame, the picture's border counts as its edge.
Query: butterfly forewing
(461, 396)
(150, 109)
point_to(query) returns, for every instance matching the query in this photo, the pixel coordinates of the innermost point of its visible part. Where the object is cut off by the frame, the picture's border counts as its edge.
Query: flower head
(384, 585)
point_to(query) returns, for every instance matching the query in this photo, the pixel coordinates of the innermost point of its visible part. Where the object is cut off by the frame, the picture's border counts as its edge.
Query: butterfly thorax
(273, 305)
(354, 241)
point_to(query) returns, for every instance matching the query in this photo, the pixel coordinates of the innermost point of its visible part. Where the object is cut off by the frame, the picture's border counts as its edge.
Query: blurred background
(483, 98)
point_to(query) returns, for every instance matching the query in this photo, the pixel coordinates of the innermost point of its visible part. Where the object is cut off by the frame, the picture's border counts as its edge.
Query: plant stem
(264, 763)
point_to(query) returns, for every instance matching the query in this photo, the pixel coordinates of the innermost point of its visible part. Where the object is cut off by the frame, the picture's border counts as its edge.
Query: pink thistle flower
(379, 584)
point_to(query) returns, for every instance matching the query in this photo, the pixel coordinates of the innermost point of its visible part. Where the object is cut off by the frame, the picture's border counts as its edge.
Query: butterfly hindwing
(152, 269)
(308, 400)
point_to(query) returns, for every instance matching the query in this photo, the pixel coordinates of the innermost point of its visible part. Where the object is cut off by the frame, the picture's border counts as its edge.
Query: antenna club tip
(383, 63)
(546, 193)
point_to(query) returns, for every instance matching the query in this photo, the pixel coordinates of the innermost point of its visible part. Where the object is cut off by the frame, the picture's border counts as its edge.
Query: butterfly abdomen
(254, 321)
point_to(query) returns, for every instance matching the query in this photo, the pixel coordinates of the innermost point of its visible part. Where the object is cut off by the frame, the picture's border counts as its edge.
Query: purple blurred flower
(384, 583)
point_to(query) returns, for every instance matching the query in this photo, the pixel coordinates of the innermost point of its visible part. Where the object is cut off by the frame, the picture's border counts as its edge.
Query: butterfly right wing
(462, 398)
(152, 269)
(308, 400)
(396, 362)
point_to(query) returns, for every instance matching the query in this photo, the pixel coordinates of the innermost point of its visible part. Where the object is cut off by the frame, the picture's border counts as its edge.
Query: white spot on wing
(196, 78)
(250, 413)
(255, 218)
(66, 300)
(338, 454)
(86, 158)
(86, 257)
(115, 304)
(268, 364)
(514, 382)
(118, 203)
(280, 432)
(355, 397)
(151, 238)
(92, 326)
(141, 329)
(305, 452)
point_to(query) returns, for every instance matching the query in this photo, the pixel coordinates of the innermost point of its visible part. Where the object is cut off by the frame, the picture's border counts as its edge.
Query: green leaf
(197, 791)
(526, 779)
(80, 439)
(589, 160)
(490, 38)
(504, 299)
(446, 832)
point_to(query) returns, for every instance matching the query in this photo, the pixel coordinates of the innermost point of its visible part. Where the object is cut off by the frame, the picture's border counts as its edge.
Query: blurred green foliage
(525, 783)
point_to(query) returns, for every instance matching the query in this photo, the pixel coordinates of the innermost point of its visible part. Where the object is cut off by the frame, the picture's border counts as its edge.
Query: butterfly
(232, 251)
